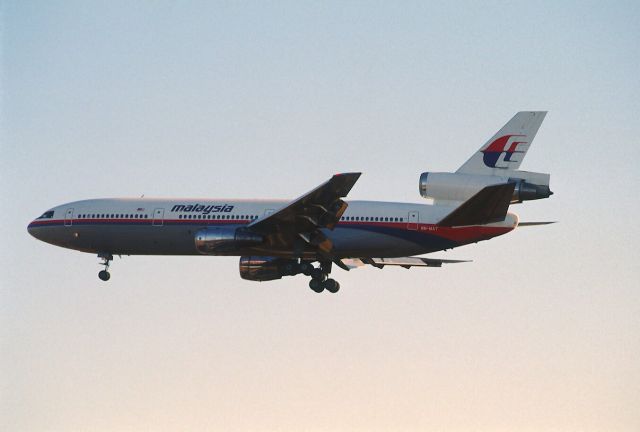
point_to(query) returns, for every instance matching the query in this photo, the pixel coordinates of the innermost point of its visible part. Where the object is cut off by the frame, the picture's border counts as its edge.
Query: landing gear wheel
(317, 273)
(306, 268)
(331, 285)
(104, 275)
(316, 285)
(289, 269)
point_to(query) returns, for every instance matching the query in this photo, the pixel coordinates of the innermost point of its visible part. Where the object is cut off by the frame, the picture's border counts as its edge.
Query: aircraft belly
(352, 242)
(126, 240)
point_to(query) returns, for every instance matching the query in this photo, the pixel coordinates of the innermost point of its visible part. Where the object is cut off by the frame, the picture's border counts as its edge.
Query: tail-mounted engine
(211, 241)
(460, 187)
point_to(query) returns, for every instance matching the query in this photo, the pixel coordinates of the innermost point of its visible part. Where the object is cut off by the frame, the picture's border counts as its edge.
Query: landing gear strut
(320, 278)
(106, 260)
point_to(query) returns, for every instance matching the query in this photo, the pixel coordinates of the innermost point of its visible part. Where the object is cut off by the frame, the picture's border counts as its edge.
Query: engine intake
(265, 268)
(219, 240)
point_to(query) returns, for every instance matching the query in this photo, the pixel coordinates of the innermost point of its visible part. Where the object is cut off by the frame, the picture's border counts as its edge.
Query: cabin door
(412, 221)
(68, 217)
(158, 217)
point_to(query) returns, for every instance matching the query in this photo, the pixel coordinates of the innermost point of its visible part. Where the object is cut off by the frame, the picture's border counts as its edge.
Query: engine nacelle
(211, 241)
(265, 268)
(461, 187)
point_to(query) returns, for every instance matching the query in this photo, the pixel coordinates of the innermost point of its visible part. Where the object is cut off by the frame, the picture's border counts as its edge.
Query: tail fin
(489, 205)
(507, 148)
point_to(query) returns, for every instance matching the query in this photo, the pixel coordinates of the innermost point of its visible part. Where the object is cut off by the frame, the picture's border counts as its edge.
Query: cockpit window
(47, 215)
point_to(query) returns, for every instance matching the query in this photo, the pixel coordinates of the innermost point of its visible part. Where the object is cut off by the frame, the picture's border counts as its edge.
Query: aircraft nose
(32, 230)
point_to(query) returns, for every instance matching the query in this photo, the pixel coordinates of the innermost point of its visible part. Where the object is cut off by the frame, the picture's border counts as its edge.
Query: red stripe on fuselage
(460, 235)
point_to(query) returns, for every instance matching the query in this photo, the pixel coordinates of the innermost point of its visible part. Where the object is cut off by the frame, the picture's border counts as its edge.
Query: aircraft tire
(331, 285)
(317, 273)
(104, 275)
(289, 270)
(306, 269)
(316, 285)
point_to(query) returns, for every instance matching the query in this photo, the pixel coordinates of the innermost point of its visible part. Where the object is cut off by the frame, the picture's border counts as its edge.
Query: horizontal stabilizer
(526, 224)
(489, 205)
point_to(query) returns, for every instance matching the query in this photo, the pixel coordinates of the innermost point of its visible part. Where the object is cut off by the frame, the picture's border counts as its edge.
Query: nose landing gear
(106, 260)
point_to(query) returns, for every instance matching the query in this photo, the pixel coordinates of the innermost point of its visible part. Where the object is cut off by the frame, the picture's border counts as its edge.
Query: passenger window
(401, 219)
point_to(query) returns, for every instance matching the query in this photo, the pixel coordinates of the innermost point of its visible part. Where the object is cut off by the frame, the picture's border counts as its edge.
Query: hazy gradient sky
(268, 99)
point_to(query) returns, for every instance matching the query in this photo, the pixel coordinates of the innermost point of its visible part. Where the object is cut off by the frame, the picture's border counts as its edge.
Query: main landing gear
(106, 260)
(320, 280)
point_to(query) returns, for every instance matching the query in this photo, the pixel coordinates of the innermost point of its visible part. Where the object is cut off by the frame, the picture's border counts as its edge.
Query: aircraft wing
(406, 262)
(303, 217)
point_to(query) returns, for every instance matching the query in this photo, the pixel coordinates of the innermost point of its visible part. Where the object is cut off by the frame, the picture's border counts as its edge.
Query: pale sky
(541, 332)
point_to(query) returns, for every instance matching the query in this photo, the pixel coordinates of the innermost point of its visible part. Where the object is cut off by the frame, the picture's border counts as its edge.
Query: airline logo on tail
(491, 154)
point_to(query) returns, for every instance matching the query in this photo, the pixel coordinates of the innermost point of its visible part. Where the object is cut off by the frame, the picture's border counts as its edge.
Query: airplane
(277, 238)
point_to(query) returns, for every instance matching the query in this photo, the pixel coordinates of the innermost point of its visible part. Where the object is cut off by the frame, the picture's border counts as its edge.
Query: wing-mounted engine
(266, 268)
(442, 186)
(211, 241)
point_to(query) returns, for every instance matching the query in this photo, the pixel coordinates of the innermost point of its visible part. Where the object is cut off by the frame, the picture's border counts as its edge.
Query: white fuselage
(149, 226)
